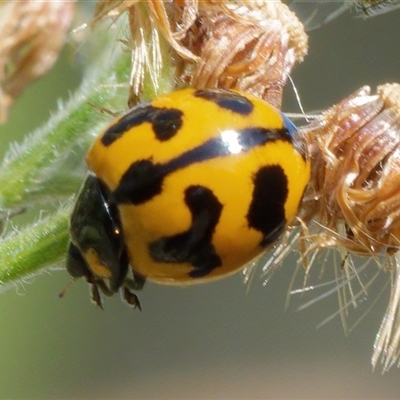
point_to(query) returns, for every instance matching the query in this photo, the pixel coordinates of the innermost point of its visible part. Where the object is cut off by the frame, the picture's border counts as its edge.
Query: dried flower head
(248, 46)
(355, 147)
(353, 201)
(32, 34)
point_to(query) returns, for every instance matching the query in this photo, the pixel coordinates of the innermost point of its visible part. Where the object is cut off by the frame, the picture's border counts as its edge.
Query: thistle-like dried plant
(353, 201)
(355, 148)
(32, 35)
(248, 46)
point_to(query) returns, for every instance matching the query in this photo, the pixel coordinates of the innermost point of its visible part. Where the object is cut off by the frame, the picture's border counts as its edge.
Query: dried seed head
(250, 47)
(32, 34)
(353, 201)
(243, 45)
(355, 148)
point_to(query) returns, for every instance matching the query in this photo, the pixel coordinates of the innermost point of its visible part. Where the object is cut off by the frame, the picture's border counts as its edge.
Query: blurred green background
(221, 340)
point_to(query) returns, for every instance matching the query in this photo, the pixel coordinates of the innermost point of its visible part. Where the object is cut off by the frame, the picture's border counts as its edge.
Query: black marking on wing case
(166, 123)
(195, 245)
(228, 100)
(143, 179)
(267, 209)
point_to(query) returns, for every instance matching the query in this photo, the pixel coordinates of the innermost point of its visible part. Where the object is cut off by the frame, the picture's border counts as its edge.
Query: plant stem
(35, 247)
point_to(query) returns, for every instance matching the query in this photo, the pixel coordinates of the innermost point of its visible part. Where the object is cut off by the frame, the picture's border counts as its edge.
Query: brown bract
(353, 200)
(355, 150)
(32, 34)
(242, 45)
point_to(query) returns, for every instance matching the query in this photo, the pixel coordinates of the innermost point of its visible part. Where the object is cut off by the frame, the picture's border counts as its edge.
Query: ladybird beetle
(184, 189)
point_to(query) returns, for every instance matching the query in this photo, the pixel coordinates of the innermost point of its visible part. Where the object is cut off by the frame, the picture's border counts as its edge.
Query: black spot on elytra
(166, 122)
(141, 182)
(143, 179)
(266, 211)
(226, 99)
(195, 245)
(253, 137)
